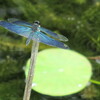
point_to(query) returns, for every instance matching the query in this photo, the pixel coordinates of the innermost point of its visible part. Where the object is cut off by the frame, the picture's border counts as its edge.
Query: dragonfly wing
(57, 36)
(13, 19)
(20, 30)
(19, 22)
(49, 41)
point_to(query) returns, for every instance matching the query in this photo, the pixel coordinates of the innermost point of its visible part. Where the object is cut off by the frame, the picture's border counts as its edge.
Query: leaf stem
(29, 79)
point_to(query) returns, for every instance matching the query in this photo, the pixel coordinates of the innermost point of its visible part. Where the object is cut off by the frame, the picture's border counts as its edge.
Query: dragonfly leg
(34, 36)
(28, 41)
(29, 38)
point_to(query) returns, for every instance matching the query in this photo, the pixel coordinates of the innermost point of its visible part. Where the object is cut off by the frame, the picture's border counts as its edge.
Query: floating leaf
(60, 72)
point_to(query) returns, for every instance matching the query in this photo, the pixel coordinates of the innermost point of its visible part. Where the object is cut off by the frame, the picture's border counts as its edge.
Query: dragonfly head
(37, 22)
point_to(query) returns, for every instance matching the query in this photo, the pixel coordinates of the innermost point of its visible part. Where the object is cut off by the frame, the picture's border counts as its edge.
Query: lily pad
(60, 72)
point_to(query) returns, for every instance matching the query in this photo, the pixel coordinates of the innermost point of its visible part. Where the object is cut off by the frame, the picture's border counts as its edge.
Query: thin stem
(97, 57)
(29, 80)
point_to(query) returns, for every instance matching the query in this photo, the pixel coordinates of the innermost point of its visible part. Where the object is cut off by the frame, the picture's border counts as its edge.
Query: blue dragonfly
(34, 32)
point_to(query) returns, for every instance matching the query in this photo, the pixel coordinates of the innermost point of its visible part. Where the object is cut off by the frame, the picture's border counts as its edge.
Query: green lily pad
(60, 72)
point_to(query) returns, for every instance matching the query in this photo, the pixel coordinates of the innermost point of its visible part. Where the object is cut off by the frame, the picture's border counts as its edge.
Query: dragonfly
(33, 31)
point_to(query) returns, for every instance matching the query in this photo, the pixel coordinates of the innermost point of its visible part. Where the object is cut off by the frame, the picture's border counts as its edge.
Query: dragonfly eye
(37, 22)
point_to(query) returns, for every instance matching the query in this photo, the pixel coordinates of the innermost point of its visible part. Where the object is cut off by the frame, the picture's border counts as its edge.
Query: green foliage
(79, 20)
(11, 90)
(81, 1)
(5, 64)
(88, 29)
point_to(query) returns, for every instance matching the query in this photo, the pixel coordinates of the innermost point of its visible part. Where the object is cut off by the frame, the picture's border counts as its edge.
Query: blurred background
(78, 20)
